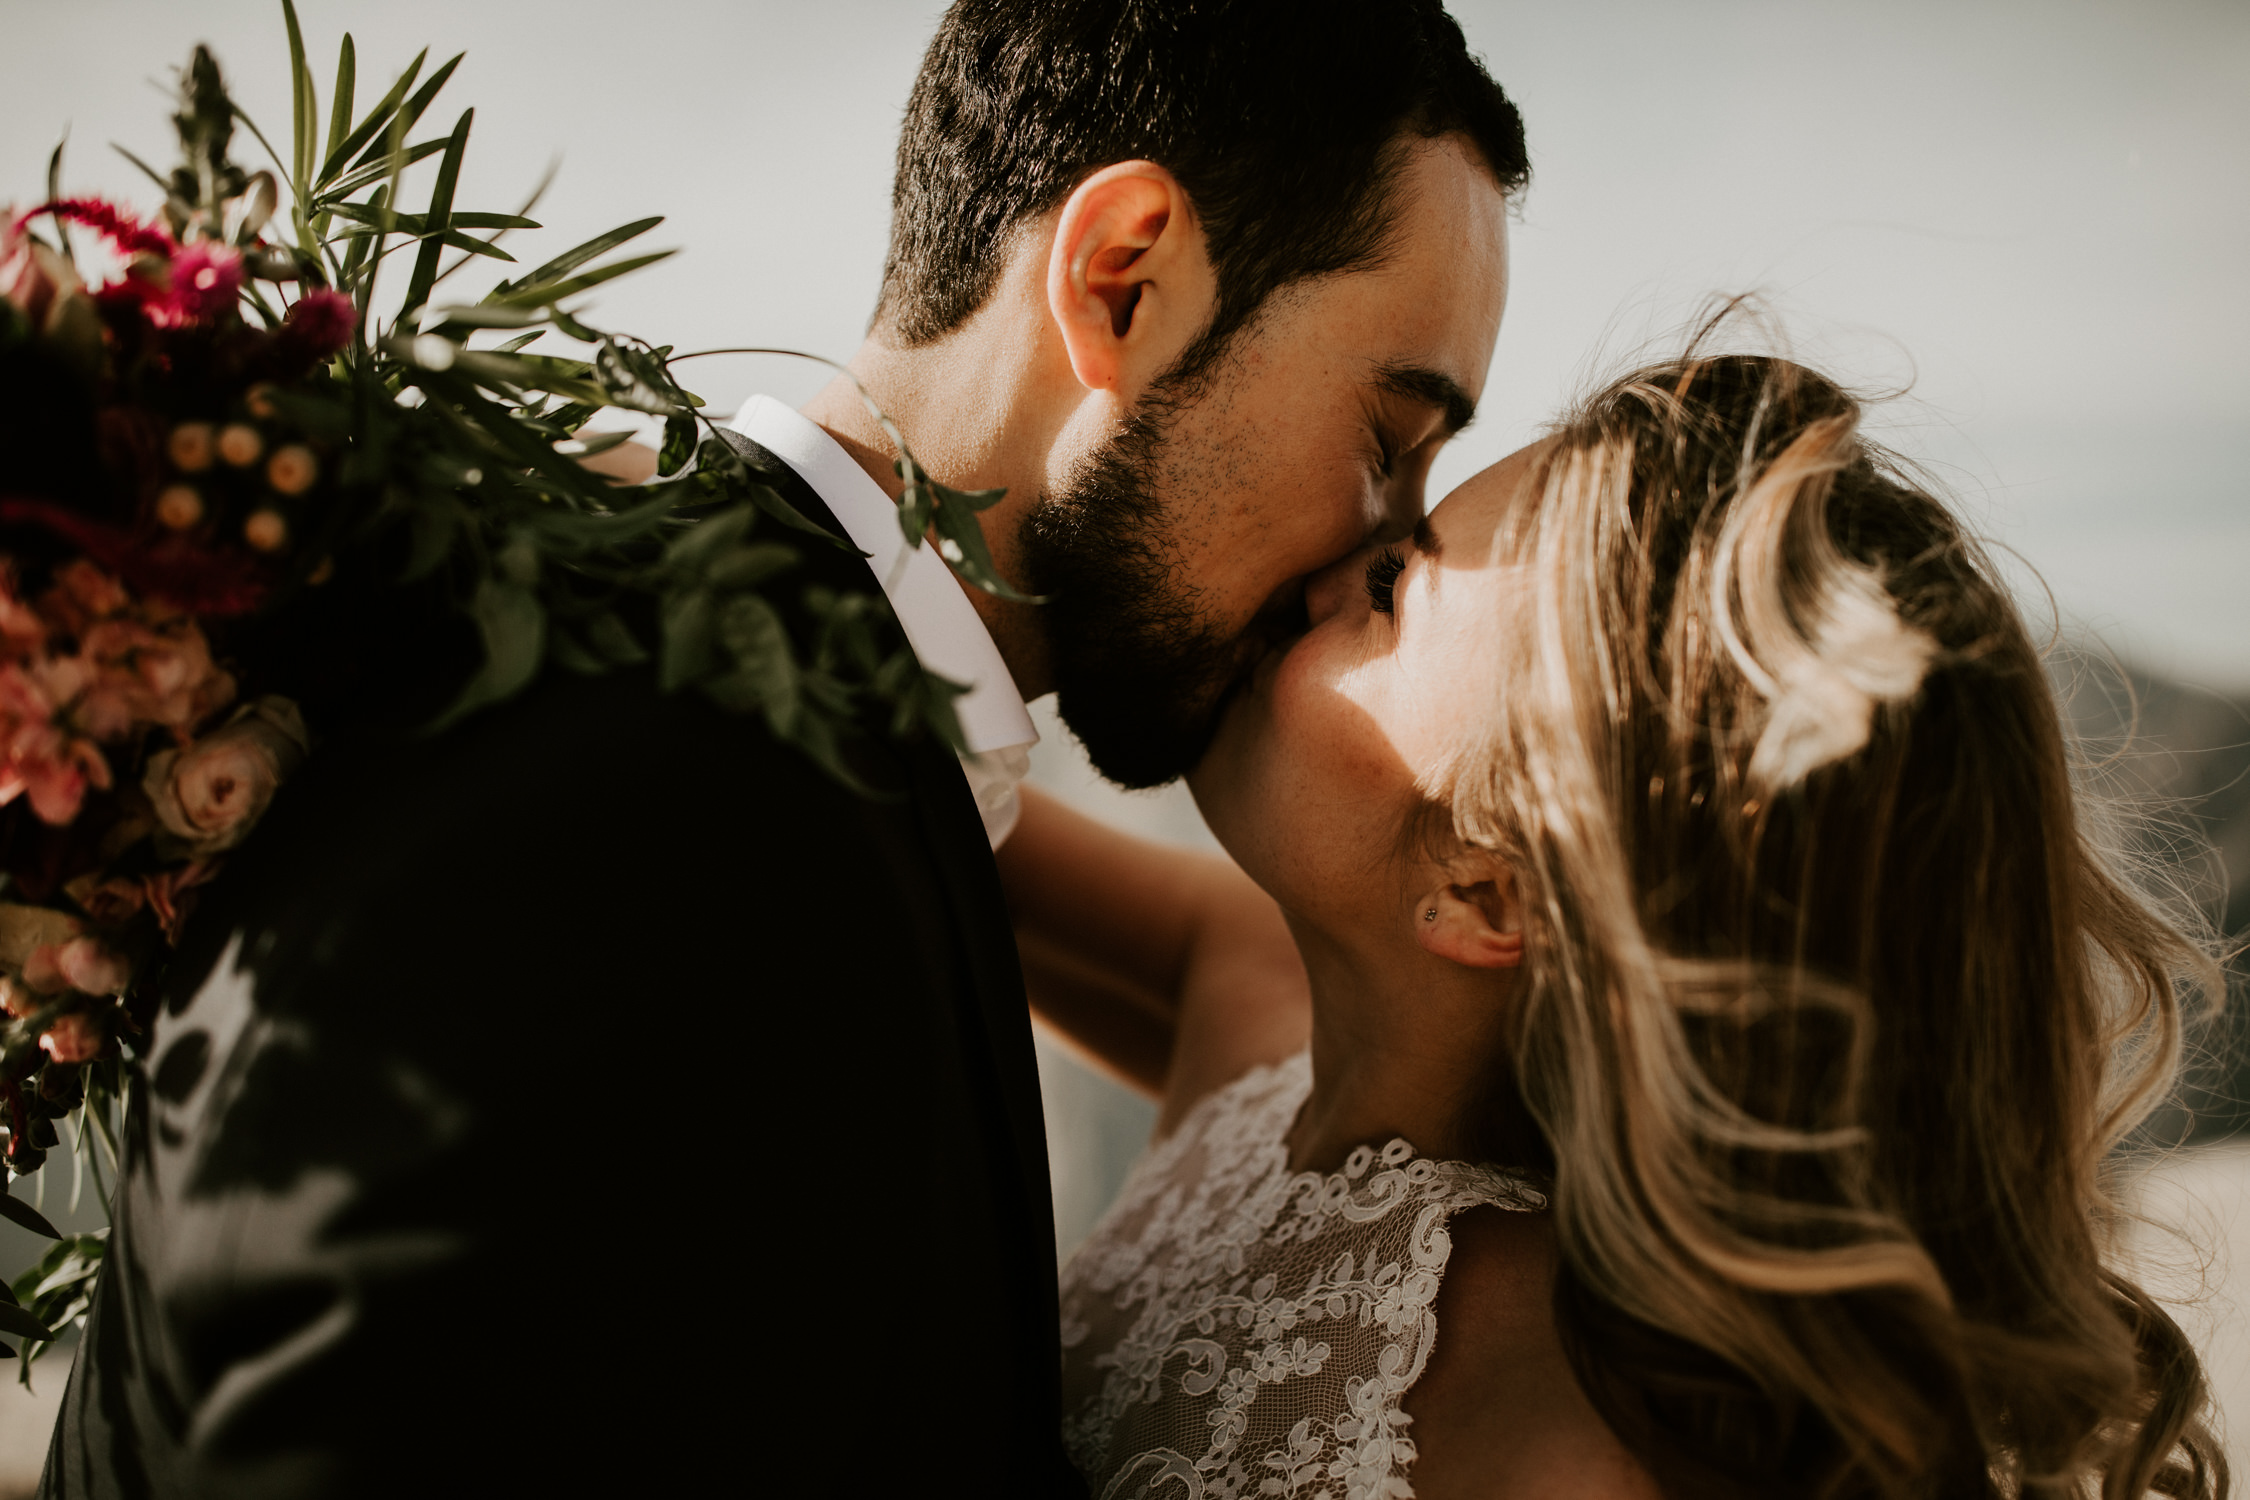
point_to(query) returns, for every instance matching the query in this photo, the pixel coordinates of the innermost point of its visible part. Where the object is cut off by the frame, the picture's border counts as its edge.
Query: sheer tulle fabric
(1233, 1329)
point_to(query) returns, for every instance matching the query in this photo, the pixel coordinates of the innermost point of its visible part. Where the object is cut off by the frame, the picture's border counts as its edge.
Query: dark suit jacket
(595, 1099)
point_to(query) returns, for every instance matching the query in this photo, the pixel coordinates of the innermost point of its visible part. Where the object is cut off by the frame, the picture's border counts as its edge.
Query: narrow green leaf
(54, 194)
(340, 104)
(17, 1211)
(377, 120)
(151, 172)
(23, 1325)
(601, 244)
(539, 295)
(301, 109)
(406, 118)
(438, 216)
(361, 177)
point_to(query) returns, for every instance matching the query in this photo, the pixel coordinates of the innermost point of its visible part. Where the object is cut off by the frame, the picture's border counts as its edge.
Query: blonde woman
(1712, 1028)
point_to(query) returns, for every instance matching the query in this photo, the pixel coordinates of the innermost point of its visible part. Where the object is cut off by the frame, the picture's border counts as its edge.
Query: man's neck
(972, 424)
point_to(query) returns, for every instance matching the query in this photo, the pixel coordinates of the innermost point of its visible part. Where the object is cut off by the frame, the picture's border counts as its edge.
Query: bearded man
(1203, 285)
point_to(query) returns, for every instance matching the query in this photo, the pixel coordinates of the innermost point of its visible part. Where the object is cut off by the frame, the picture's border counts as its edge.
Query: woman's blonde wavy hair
(1831, 1014)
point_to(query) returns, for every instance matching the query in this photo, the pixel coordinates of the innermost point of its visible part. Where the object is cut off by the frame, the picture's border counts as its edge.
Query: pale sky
(2033, 211)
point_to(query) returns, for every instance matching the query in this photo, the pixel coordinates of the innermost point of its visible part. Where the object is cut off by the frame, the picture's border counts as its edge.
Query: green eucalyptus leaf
(961, 544)
(752, 632)
(607, 634)
(513, 625)
(696, 547)
(679, 444)
(748, 566)
(563, 648)
(690, 634)
(768, 499)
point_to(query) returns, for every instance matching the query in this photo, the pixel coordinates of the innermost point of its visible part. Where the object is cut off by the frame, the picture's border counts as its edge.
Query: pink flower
(75, 1038)
(211, 794)
(119, 227)
(206, 280)
(322, 322)
(51, 765)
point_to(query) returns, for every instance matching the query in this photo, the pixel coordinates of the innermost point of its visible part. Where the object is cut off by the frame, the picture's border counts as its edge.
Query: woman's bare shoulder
(1498, 1413)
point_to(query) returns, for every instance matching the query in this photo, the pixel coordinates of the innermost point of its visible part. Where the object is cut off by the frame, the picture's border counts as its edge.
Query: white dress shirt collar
(940, 622)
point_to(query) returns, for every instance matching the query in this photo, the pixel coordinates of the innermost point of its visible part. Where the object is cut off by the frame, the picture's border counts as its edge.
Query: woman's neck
(1403, 1046)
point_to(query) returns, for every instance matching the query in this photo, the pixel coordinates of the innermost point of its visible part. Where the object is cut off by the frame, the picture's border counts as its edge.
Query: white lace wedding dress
(1232, 1329)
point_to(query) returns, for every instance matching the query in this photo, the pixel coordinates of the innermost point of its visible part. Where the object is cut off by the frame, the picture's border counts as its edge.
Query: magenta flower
(322, 322)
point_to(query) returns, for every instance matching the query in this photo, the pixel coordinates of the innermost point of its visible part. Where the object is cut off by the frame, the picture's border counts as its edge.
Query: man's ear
(1478, 924)
(1129, 280)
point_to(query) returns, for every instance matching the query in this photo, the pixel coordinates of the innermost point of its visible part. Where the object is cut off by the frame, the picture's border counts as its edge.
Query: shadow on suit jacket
(453, 992)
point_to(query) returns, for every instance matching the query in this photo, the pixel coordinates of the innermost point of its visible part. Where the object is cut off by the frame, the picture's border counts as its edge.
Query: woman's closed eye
(1382, 574)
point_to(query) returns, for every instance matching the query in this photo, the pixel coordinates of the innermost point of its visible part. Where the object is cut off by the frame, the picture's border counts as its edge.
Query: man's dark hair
(1282, 119)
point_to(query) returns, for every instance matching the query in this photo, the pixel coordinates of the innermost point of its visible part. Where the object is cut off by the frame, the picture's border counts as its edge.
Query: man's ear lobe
(1477, 925)
(1127, 255)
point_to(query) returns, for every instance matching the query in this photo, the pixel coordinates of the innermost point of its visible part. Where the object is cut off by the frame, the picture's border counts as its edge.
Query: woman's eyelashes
(1382, 575)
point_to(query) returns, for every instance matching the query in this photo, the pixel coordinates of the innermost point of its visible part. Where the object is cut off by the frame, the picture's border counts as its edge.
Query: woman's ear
(1129, 280)
(1478, 924)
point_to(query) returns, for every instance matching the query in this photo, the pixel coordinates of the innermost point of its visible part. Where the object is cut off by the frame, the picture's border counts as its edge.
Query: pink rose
(211, 794)
(75, 1038)
(149, 674)
(82, 594)
(81, 964)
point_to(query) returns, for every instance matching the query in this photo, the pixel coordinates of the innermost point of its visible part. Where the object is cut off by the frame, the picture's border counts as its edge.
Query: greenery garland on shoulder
(201, 448)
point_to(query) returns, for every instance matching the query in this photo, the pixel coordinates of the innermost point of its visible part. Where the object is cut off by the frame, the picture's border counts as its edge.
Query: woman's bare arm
(1167, 965)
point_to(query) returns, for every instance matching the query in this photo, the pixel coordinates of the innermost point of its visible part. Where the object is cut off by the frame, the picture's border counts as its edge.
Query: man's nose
(1336, 587)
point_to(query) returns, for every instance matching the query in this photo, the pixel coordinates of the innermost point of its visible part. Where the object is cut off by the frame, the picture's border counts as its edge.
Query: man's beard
(1141, 676)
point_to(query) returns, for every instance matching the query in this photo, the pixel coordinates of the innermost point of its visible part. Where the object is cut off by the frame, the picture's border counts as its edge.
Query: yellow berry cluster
(202, 452)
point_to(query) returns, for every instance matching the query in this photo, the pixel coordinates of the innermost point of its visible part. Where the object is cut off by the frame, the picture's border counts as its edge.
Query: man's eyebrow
(1431, 388)
(1425, 537)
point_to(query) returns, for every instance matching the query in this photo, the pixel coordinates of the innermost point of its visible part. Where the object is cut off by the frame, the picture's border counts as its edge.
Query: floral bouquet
(240, 432)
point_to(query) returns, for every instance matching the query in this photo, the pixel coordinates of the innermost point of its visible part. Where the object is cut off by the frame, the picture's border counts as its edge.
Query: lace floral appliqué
(1233, 1330)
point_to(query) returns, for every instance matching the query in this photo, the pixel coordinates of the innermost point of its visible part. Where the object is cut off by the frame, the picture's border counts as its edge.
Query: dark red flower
(321, 323)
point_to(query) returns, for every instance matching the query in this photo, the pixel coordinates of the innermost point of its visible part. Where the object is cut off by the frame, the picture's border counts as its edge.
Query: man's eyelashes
(1382, 574)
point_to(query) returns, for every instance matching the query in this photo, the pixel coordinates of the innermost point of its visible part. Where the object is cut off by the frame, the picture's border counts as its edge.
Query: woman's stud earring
(1430, 915)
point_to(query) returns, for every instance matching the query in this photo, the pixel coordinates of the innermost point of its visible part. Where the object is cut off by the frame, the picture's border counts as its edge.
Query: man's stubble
(1142, 675)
